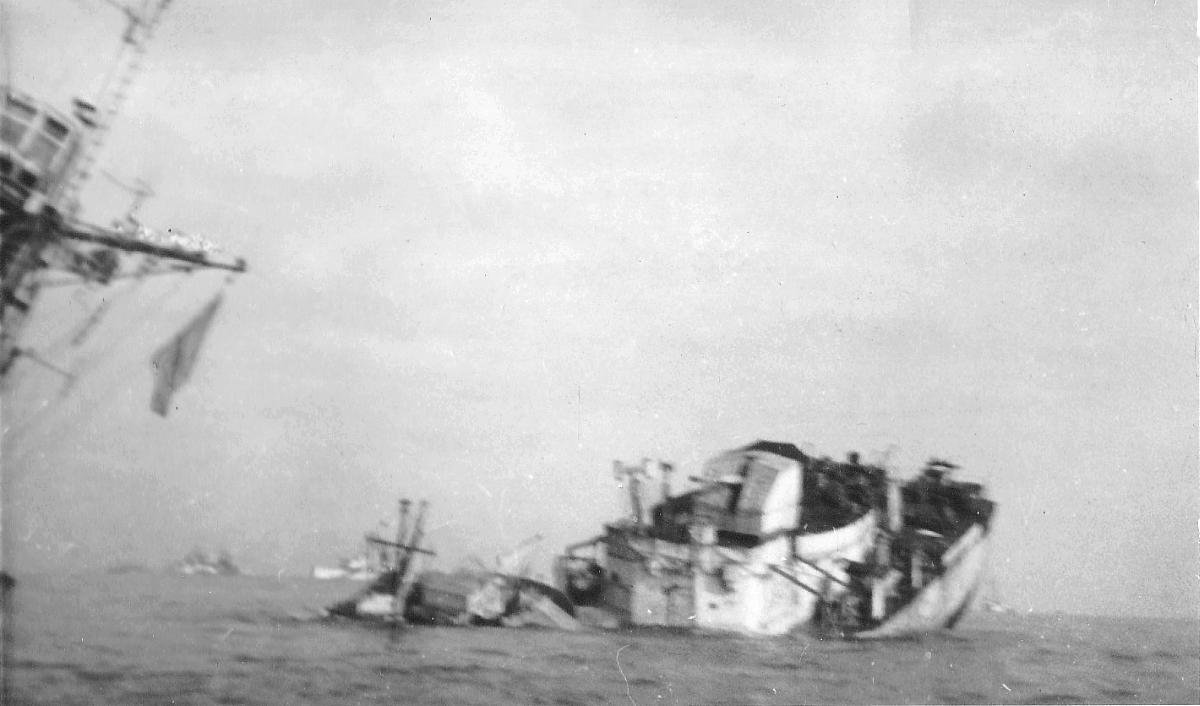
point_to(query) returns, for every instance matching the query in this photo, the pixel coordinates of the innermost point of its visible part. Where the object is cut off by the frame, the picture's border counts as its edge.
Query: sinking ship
(772, 540)
(503, 595)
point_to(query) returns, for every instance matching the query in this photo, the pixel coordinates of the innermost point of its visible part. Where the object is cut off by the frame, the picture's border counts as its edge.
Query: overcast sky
(495, 247)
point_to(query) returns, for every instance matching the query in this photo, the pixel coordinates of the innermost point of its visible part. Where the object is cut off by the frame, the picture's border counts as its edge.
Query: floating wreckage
(774, 540)
(499, 597)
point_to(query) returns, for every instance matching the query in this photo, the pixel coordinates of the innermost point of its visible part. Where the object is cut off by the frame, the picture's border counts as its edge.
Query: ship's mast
(45, 159)
(99, 116)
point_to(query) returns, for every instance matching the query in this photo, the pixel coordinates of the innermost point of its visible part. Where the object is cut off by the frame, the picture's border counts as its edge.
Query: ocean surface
(167, 639)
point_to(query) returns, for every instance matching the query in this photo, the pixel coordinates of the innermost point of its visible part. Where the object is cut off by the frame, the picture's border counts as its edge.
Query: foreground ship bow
(774, 540)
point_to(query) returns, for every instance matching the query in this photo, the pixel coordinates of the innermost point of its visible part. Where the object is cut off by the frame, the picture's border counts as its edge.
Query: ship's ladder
(138, 32)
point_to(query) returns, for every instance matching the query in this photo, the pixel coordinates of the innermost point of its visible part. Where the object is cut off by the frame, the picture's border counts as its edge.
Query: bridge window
(43, 150)
(15, 120)
(56, 130)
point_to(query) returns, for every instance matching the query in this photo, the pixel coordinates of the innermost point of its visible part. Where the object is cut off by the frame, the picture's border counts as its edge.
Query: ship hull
(944, 600)
(774, 540)
(770, 589)
(464, 598)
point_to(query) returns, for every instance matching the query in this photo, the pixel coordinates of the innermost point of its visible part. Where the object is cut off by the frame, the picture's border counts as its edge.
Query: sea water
(167, 639)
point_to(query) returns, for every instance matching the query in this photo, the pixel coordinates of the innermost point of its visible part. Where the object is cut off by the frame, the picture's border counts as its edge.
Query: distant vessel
(367, 566)
(201, 562)
(774, 540)
(127, 567)
(355, 569)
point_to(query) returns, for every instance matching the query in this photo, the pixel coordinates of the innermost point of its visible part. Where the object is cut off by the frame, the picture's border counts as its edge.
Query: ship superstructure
(774, 539)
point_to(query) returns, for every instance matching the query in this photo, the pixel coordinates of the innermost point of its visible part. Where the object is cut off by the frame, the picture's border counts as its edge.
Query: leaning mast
(46, 157)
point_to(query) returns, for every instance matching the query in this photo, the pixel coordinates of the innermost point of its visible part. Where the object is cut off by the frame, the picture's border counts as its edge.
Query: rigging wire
(78, 333)
(141, 322)
(122, 50)
(70, 281)
(5, 48)
(81, 333)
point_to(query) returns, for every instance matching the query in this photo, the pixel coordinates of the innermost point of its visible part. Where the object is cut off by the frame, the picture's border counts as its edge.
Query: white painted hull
(757, 591)
(729, 555)
(940, 603)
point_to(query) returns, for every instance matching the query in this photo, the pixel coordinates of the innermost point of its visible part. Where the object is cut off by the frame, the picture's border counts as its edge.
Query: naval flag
(173, 362)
